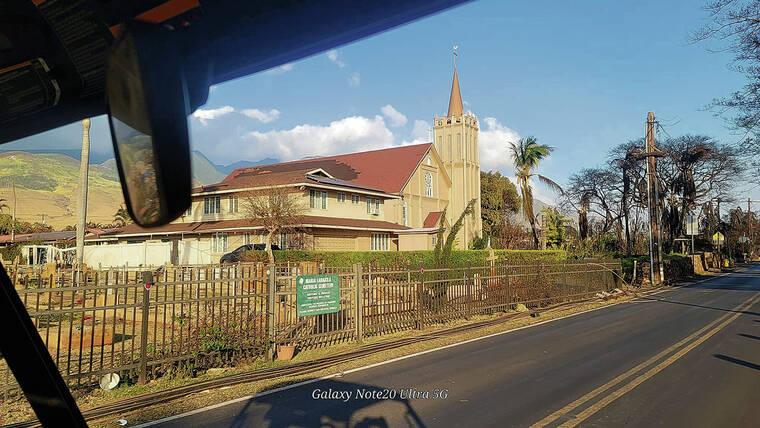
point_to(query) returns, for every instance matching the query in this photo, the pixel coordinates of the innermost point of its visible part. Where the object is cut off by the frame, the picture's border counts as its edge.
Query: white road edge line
(404, 357)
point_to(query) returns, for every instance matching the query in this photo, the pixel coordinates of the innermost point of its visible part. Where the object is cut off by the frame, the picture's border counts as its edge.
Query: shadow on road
(749, 336)
(737, 361)
(654, 299)
(299, 407)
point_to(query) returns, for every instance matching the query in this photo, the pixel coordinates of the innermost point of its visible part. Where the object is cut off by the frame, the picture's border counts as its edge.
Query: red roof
(387, 170)
(211, 226)
(432, 219)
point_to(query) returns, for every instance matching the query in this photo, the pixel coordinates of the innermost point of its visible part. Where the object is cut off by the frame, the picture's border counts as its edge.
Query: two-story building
(380, 200)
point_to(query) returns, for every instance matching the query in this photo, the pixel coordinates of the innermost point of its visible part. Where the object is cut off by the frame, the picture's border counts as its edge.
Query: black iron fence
(198, 317)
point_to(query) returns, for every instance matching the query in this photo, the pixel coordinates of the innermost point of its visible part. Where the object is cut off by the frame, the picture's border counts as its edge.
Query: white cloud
(334, 56)
(354, 79)
(210, 114)
(281, 69)
(420, 131)
(262, 116)
(493, 141)
(395, 118)
(351, 134)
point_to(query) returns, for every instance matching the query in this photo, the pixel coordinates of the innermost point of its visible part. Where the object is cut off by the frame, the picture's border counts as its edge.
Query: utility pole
(84, 165)
(655, 244)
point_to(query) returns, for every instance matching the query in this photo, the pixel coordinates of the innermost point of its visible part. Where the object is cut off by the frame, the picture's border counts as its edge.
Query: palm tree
(526, 154)
(121, 218)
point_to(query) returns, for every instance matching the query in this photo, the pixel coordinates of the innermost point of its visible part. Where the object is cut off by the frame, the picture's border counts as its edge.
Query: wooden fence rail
(195, 317)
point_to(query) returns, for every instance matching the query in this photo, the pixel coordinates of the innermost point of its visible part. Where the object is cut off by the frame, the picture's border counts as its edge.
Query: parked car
(236, 255)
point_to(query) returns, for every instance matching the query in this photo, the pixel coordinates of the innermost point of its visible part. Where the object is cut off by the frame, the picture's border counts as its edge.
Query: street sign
(718, 238)
(317, 294)
(692, 224)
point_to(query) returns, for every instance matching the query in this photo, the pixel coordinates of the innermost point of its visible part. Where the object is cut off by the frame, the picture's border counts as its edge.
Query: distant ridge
(96, 158)
(227, 169)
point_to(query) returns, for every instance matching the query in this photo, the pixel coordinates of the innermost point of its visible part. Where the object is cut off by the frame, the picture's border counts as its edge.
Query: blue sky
(579, 75)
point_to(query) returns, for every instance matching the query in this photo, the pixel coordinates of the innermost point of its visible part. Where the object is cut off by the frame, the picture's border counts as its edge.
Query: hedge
(403, 258)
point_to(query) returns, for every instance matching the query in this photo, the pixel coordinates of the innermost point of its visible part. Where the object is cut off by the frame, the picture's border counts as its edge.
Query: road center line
(580, 401)
(653, 371)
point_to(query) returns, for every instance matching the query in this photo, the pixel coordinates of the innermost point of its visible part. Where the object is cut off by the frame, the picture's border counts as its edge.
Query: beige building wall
(418, 204)
(456, 139)
(232, 205)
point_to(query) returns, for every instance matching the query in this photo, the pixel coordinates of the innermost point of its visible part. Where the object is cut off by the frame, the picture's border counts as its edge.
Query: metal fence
(209, 316)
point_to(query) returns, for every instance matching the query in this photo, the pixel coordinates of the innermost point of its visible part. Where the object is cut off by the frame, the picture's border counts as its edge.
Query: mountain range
(46, 182)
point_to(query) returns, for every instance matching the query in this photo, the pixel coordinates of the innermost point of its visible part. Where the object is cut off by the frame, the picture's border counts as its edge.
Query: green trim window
(219, 243)
(212, 205)
(318, 199)
(373, 206)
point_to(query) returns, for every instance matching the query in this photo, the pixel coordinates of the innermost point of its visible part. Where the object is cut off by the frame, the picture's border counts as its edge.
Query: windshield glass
(501, 214)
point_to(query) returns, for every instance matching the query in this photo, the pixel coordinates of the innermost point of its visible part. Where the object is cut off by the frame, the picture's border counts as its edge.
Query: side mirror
(148, 104)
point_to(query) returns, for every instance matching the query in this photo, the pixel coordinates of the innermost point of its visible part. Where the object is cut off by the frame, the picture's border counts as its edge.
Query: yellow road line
(651, 372)
(566, 409)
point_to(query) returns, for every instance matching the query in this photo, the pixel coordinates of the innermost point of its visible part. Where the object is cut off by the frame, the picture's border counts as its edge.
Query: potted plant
(285, 351)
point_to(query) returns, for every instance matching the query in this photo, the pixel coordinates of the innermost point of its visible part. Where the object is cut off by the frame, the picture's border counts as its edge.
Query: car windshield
(501, 214)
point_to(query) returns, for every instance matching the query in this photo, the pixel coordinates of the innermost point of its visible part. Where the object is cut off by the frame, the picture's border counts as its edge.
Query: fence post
(142, 376)
(359, 304)
(468, 280)
(506, 284)
(271, 286)
(420, 287)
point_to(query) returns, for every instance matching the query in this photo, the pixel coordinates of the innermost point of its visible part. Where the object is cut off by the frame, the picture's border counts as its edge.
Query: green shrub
(404, 258)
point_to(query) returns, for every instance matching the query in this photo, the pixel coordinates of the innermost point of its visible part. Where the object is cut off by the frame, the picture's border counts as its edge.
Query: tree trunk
(626, 190)
(270, 253)
(535, 234)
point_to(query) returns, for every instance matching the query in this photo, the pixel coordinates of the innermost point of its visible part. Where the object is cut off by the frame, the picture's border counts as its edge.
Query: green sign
(317, 294)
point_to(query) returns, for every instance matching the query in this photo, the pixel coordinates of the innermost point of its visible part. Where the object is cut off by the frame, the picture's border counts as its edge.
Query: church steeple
(455, 100)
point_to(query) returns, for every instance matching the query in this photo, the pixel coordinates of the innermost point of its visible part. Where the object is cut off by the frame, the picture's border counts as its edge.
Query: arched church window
(428, 184)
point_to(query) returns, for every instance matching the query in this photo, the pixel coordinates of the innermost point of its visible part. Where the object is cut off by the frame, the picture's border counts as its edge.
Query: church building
(381, 200)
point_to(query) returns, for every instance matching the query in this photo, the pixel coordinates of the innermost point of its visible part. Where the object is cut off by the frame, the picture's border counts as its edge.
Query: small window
(429, 184)
(283, 241)
(212, 205)
(247, 239)
(233, 204)
(318, 199)
(341, 197)
(355, 199)
(373, 206)
(219, 244)
(189, 211)
(380, 242)
(435, 239)
(403, 214)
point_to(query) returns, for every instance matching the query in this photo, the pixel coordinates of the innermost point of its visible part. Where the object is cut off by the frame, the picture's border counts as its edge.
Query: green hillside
(46, 185)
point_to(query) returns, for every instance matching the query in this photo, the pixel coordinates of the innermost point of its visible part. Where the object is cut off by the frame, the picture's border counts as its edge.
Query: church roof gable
(386, 170)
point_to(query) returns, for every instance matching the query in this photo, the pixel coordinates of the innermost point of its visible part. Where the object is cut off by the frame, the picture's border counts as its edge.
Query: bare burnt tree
(600, 190)
(735, 26)
(627, 158)
(696, 169)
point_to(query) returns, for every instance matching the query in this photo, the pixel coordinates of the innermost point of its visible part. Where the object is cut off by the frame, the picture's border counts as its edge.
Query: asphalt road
(684, 357)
